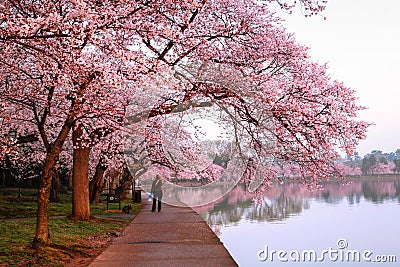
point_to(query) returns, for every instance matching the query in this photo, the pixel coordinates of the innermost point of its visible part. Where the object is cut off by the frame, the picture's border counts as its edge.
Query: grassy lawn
(73, 244)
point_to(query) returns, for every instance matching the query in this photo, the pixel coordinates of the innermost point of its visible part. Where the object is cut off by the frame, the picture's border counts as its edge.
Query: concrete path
(173, 237)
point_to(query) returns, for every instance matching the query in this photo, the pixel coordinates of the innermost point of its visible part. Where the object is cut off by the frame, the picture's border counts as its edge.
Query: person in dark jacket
(157, 192)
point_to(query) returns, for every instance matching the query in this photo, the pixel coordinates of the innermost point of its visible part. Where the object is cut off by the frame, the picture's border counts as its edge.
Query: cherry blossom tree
(107, 155)
(299, 94)
(382, 168)
(72, 64)
(57, 62)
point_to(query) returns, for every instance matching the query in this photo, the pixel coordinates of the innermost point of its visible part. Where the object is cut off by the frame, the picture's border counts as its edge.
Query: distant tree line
(376, 162)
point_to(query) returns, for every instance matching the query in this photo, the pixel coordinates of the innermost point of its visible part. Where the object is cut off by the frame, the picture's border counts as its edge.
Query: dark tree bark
(80, 199)
(96, 185)
(42, 234)
(125, 184)
(53, 150)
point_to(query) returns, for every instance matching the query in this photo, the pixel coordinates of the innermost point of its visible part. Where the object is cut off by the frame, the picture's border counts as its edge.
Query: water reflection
(281, 202)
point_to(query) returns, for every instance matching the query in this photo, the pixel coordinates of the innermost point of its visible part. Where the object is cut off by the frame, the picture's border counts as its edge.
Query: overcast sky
(360, 41)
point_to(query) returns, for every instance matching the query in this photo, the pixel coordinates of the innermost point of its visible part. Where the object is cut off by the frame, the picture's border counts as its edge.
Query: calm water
(363, 217)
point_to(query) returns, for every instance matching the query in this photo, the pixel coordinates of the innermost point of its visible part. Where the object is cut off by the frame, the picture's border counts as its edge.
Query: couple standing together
(157, 193)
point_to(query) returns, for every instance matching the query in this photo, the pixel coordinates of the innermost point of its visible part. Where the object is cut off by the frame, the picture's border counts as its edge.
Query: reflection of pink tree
(280, 202)
(236, 195)
(216, 229)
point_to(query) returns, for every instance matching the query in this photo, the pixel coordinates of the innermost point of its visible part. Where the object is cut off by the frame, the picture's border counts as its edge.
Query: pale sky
(360, 41)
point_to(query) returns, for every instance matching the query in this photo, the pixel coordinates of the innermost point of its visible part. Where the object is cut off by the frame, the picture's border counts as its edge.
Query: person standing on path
(157, 193)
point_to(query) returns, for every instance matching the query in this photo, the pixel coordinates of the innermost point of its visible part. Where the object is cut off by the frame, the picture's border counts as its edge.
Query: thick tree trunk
(42, 236)
(125, 184)
(53, 150)
(80, 178)
(98, 190)
(96, 185)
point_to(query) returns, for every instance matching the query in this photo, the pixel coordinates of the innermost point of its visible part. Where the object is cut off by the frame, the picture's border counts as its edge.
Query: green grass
(25, 206)
(70, 240)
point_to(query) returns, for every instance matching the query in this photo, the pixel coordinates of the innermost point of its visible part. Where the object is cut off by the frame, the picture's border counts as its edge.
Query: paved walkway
(173, 237)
